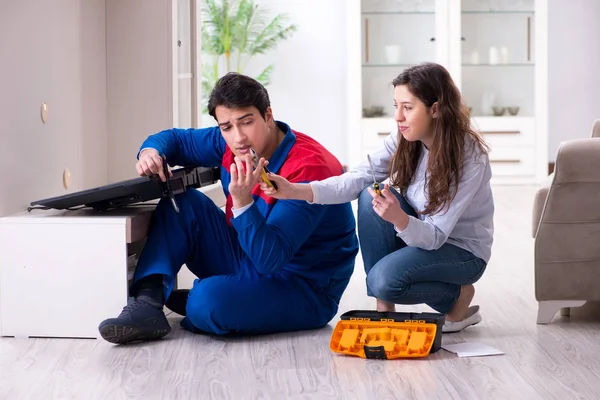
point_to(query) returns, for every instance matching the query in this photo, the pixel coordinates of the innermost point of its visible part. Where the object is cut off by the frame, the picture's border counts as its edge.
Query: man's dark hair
(236, 91)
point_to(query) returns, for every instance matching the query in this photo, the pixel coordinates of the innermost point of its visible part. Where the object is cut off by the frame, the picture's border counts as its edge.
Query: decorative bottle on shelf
(487, 101)
(493, 55)
(504, 54)
(392, 54)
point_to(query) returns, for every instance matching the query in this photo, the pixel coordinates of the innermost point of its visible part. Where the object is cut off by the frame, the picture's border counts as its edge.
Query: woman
(431, 241)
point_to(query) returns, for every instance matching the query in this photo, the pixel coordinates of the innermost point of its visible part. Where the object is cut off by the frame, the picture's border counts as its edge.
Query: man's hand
(242, 182)
(151, 163)
(388, 207)
(287, 190)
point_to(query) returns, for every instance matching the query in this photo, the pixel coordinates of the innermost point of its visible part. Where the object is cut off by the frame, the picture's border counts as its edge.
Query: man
(264, 265)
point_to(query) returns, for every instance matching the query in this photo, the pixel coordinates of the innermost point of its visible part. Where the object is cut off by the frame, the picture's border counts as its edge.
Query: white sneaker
(473, 317)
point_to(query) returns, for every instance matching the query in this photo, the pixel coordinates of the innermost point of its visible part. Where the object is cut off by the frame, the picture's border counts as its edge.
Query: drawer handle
(383, 133)
(501, 132)
(506, 161)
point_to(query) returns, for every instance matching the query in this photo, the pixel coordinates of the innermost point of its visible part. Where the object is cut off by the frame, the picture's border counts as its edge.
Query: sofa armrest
(570, 220)
(578, 161)
(596, 129)
(538, 203)
(574, 194)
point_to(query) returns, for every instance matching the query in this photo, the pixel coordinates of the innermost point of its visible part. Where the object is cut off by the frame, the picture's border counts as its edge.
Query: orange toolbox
(387, 335)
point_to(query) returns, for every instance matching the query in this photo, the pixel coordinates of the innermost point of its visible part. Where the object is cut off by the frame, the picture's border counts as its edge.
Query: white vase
(487, 101)
(392, 54)
(493, 55)
(504, 54)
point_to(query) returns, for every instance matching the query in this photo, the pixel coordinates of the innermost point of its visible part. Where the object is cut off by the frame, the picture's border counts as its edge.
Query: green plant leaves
(239, 28)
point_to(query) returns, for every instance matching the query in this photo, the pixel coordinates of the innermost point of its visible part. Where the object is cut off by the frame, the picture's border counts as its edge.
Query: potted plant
(237, 30)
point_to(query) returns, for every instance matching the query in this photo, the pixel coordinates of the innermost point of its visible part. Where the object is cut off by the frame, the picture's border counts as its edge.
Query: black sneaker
(177, 301)
(139, 321)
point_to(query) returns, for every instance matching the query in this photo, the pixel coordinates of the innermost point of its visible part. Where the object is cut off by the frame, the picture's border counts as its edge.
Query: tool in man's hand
(264, 172)
(167, 186)
(375, 184)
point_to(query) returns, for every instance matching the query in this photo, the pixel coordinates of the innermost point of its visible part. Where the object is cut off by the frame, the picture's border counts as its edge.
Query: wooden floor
(556, 361)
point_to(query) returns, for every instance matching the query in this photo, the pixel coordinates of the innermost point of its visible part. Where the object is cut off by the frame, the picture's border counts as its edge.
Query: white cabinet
(64, 272)
(53, 56)
(512, 141)
(373, 132)
(500, 62)
(393, 36)
(496, 52)
(75, 266)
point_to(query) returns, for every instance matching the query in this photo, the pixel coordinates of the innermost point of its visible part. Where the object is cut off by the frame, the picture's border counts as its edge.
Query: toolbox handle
(375, 352)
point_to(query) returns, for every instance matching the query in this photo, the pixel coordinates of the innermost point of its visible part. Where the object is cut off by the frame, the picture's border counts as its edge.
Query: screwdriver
(264, 172)
(375, 184)
(167, 186)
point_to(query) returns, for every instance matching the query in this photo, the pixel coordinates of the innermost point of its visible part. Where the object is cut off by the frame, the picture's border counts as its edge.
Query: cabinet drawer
(506, 131)
(505, 161)
(497, 131)
(375, 130)
(512, 161)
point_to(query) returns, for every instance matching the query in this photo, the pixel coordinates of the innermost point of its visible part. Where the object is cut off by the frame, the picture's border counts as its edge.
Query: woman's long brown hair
(432, 83)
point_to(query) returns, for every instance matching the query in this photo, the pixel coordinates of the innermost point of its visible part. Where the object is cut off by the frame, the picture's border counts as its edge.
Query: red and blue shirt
(315, 241)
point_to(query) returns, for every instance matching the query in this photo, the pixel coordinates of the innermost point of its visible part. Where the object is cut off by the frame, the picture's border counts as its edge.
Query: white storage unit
(496, 51)
(63, 272)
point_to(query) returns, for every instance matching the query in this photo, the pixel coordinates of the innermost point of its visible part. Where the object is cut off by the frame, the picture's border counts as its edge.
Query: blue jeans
(401, 274)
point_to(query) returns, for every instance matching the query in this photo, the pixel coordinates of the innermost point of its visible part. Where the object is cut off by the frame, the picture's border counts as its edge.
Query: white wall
(139, 79)
(308, 88)
(573, 77)
(51, 52)
(93, 163)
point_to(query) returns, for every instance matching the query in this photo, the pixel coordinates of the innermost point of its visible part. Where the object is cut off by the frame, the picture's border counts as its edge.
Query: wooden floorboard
(556, 361)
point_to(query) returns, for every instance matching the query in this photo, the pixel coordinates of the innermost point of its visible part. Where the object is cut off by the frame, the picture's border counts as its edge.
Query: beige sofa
(566, 228)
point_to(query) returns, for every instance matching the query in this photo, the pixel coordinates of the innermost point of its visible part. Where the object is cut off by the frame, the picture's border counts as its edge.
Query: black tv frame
(132, 191)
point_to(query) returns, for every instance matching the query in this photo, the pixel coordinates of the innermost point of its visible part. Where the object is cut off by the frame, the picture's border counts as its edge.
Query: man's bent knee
(207, 304)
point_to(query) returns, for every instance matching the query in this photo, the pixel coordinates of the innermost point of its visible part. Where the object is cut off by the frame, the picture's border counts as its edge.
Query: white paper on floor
(471, 349)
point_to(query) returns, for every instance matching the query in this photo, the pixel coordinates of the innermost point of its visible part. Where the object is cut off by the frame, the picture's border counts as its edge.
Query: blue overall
(282, 265)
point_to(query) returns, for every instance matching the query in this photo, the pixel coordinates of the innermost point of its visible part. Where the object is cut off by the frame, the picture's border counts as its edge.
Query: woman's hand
(287, 190)
(243, 181)
(388, 207)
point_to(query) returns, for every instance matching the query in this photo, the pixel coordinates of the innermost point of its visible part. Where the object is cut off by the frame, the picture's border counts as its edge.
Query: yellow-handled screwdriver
(375, 184)
(264, 172)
